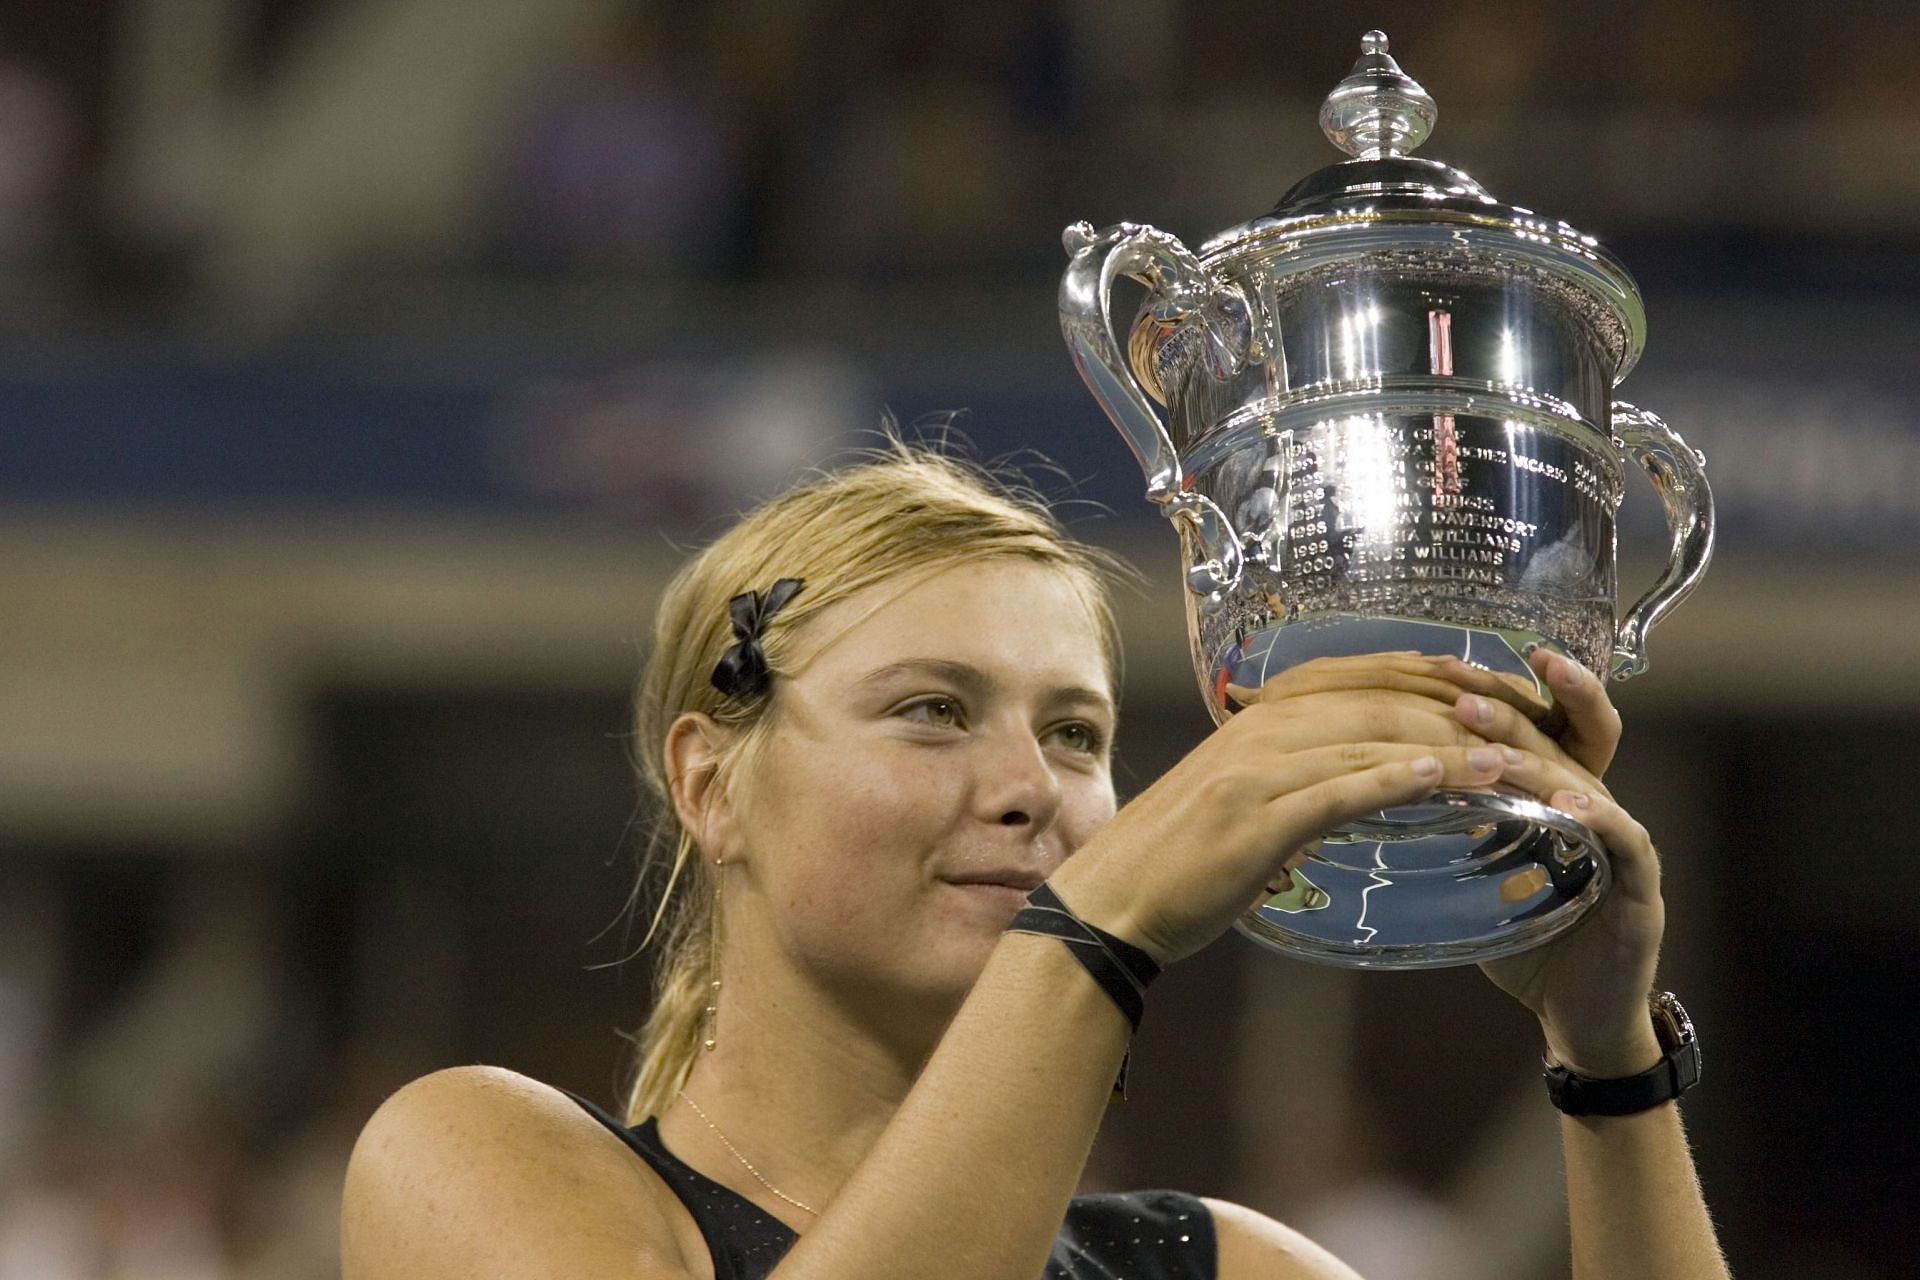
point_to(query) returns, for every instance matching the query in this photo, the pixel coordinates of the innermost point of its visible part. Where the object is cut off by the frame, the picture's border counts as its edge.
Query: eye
(942, 713)
(1083, 737)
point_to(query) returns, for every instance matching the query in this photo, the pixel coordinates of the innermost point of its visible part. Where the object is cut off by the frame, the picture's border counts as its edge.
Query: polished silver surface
(1389, 425)
(1679, 476)
(1378, 110)
(1495, 875)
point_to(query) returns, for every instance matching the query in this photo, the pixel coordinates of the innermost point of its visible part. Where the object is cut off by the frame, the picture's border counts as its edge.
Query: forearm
(973, 1175)
(1634, 1200)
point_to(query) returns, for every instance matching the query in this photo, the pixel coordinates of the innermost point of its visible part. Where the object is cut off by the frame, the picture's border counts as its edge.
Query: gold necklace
(758, 1177)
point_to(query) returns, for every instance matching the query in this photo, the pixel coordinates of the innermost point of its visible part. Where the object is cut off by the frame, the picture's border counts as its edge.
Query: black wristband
(1121, 969)
(1121, 986)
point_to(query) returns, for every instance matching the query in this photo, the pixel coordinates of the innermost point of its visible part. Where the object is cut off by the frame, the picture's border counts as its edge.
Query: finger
(1522, 692)
(1593, 724)
(1299, 770)
(1320, 673)
(1319, 789)
(1422, 683)
(1499, 723)
(1543, 778)
(1426, 683)
(1363, 715)
(1630, 852)
(1325, 804)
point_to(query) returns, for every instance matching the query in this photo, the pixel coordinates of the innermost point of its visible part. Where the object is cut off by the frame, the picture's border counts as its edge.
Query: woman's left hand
(1589, 986)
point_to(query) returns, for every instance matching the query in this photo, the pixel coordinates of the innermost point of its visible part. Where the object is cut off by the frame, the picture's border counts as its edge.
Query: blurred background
(365, 366)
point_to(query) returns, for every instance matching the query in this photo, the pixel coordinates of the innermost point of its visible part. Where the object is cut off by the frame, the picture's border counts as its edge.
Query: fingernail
(1479, 710)
(1427, 766)
(1483, 758)
(1580, 800)
(1510, 755)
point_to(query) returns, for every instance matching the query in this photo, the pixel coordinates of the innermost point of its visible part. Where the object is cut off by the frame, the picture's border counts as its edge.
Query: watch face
(1670, 1021)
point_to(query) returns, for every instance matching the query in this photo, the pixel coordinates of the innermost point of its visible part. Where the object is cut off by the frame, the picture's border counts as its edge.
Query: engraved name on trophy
(1389, 426)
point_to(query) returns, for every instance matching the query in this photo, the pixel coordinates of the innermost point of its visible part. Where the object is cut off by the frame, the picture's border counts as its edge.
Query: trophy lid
(1385, 197)
(1379, 115)
(1378, 110)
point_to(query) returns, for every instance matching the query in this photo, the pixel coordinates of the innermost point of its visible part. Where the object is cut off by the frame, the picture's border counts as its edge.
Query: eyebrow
(973, 680)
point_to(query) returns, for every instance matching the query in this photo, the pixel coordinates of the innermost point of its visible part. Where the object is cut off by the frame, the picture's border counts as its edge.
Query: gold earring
(713, 961)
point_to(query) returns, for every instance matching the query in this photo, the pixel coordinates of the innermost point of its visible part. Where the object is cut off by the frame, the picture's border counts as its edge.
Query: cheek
(841, 823)
(1087, 809)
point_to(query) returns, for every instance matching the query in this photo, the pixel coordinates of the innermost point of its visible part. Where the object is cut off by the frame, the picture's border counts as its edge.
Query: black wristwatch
(1677, 1071)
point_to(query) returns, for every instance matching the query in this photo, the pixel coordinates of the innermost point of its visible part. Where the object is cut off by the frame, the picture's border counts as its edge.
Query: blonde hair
(904, 513)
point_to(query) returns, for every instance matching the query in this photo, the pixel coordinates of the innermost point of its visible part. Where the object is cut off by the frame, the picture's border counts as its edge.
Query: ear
(694, 744)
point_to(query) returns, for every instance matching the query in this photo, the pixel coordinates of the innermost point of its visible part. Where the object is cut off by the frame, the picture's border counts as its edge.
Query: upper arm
(476, 1170)
(1252, 1246)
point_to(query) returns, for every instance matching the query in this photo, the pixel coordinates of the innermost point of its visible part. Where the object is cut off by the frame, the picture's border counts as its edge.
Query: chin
(954, 963)
(932, 966)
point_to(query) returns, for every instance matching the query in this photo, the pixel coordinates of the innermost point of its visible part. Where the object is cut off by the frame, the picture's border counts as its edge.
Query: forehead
(1007, 614)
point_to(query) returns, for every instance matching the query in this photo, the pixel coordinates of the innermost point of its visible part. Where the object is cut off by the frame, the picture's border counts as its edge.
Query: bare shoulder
(478, 1170)
(1253, 1246)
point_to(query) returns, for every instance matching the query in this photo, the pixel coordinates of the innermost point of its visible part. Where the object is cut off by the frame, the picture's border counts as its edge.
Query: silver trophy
(1389, 426)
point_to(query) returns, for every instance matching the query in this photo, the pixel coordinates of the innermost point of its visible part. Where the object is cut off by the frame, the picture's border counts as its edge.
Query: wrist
(1121, 970)
(1595, 1081)
(1100, 905)
(1606, 1058)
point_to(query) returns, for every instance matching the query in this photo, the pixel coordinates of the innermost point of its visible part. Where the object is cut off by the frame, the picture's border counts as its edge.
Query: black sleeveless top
(1141, 1235)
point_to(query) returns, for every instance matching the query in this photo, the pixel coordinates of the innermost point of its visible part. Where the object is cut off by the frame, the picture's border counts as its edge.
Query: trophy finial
(1378, 110)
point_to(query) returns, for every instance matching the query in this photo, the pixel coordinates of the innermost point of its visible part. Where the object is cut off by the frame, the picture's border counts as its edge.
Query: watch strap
(1677, 1071)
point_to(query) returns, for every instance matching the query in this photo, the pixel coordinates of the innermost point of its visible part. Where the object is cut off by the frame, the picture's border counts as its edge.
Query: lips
(1026, 881)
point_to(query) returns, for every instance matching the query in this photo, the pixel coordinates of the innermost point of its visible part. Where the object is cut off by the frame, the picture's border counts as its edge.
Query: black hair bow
(742, 669)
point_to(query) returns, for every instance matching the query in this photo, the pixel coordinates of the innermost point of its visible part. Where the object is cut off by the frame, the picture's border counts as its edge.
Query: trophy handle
(1680, 478)
(1181, 288)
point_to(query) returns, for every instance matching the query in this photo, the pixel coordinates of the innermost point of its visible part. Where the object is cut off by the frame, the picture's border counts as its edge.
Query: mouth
(1020, 882)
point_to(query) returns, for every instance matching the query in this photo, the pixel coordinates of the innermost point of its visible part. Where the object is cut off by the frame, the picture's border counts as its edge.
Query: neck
(799, 1084)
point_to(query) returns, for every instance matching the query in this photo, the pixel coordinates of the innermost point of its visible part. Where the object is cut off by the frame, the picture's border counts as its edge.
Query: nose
(1017, 784)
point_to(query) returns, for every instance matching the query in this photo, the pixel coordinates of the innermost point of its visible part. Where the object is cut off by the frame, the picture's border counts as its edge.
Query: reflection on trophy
(1389, 426)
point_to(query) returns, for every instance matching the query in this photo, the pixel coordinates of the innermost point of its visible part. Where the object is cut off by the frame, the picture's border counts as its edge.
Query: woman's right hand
(1320, 744)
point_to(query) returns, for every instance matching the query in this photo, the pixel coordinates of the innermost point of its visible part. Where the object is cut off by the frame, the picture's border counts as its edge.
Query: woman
(853, 1068)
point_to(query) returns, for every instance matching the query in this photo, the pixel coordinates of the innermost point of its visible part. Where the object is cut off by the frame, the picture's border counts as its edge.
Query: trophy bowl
(1389, 426)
